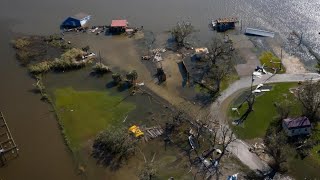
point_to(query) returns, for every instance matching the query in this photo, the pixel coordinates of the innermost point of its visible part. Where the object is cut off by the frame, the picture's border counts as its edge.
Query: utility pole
(252, 79)
(281, 59)
(301, 35)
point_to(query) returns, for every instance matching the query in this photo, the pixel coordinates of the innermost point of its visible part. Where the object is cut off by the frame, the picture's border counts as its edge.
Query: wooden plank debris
(8, 147)
(152, 132)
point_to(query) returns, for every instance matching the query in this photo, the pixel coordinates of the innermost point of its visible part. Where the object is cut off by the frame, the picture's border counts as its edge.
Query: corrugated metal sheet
(259, 32)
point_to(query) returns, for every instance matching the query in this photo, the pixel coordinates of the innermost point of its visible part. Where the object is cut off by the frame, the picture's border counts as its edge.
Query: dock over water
(259, 32)
(8, 147)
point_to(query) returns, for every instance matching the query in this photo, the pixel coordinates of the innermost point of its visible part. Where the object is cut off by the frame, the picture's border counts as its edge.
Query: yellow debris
(136, 131)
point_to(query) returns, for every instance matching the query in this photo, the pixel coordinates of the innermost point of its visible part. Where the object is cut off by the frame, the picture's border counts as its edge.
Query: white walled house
(297, 126)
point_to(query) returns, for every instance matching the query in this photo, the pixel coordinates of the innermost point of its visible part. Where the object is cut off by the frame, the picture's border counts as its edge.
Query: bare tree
(149, 170)
(116, 78)
(181, 31)
(210, 161)
(219, 73)
(277, 148)
(217, 49)
(132, 77)
(309, 96)
(216, 141)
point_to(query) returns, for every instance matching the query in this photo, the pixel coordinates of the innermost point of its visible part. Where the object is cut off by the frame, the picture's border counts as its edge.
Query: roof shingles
(298, 122)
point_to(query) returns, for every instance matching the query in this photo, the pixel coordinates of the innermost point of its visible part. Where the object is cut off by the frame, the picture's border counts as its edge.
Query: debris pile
(153, 132)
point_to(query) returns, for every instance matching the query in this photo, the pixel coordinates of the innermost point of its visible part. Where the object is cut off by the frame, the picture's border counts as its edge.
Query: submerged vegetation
(100, 68)
(57, 41)
(71, 59)
(36, 48)
(21, 43)
(40, 88)
(181, 31)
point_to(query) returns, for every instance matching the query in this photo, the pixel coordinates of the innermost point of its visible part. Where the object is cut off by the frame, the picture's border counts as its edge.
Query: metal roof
(297, 122)
(119, 23)
(259, 32)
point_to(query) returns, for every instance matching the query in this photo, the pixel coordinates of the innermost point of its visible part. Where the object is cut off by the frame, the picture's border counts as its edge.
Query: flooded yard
(43, 154)
(148, 111)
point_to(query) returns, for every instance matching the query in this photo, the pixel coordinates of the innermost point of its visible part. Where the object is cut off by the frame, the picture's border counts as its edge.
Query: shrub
(67, 61)
(113, 147)
(116, 78)
(25, 56)
(101, 68)
(72, 55)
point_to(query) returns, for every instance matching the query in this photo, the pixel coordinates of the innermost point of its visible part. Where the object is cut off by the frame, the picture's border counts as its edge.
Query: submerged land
(116, 89)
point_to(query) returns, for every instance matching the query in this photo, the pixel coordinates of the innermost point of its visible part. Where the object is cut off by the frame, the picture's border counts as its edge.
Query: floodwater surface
(42, 151)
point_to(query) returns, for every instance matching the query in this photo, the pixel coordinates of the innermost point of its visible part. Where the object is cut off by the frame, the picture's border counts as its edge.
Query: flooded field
(148, 112)
(43, 154)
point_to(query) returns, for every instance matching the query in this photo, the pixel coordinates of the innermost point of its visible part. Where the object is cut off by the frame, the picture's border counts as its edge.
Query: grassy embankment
(83, 114)
(271, 62)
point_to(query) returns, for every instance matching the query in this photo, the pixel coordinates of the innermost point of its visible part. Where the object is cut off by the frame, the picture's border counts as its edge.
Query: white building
(296, 126)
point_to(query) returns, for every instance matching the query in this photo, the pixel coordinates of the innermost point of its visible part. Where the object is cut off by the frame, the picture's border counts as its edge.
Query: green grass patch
(315, 155)
(199, 89)
(84, 113)
(271, 61)
(307, 168)
(264, 112)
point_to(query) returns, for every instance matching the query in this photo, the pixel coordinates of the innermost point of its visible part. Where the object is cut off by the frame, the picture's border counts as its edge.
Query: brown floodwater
(43, 154)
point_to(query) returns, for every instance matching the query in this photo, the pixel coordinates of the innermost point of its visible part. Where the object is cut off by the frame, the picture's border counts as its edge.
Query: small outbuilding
(119, 26)
(224, 24)
(76, 21)
(297, 126)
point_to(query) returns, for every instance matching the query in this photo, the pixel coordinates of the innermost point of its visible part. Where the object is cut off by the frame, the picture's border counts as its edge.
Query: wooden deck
(8, 147)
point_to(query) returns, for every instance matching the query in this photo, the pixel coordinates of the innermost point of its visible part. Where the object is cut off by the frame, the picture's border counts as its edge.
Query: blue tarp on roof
(75, 21)
(71, 22)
